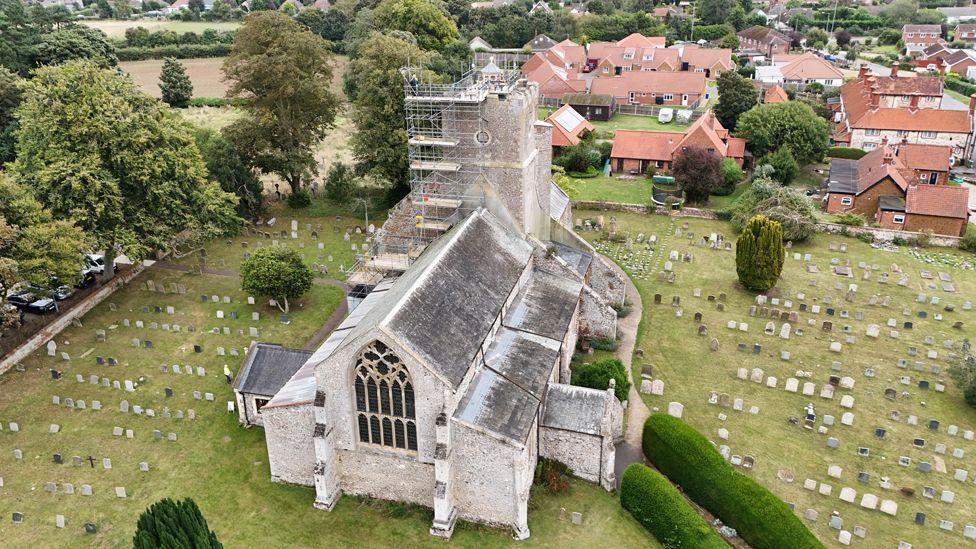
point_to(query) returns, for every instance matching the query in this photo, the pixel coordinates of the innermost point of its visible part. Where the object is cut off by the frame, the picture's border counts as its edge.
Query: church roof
(495, 404)
(573, 408)
(545, 306)
(268, 367)
(444, 305)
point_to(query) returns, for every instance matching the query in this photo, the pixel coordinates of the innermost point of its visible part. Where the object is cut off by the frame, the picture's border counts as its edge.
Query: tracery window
(385, 412)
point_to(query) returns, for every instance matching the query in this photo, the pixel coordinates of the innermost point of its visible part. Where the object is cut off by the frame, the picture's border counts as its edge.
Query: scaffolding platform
(422, 140)
(437, 201)
(434, 166)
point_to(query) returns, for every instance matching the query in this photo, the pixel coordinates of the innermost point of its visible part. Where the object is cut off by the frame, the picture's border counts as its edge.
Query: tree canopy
(759, 254)
(175, 85)
(380, 141)
(174, 524)
(697, 172)
(279, 273)
(283, 75)
(792, 124)
(75, 42)
(93, 148)
(9, 101)
(736, 95)
(429, 25)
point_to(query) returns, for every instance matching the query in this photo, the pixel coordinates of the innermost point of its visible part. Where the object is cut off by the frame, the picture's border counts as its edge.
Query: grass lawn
(690, 371)
(624, 122)
(634, 190)
(221, 465)
(722, 202)
(116, 28)
(957, 96)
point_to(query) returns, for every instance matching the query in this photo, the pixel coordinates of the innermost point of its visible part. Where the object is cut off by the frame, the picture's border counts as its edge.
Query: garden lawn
(605, 130)
(635, 190)
(221, 465)
(682, 359)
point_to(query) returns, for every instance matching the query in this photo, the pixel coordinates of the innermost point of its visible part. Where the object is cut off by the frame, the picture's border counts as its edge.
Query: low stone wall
(44, 335)
(887, 235)
(641, 209)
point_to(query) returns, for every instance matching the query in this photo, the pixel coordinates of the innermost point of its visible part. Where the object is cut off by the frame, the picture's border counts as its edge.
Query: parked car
(95, 263)
(62, 292)
(27, 301)
(86, 279)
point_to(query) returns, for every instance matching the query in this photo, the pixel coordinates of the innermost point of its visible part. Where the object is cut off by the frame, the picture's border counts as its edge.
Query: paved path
(629, 450)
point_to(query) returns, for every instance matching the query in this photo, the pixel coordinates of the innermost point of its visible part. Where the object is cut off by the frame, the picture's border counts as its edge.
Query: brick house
(634, 151)
(918, 37)
(637, 53)
(900, 110)
(763, 40)
(653, 88)
(568, 126)
(964, 32)
(592, 107)
(891, 186)
(776, 94)
(554, 78)
(797, 71)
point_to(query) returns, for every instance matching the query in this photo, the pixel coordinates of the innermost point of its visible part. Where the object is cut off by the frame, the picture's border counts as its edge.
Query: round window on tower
(482, 137)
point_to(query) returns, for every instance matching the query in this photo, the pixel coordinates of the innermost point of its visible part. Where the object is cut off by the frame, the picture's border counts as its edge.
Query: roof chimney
(889, 157)
(913, 102)
(862, 72)
(972, 103)
(894, 70)
(873, 98)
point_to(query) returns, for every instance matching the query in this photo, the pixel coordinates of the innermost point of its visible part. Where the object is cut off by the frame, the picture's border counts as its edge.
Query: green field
(682, 359)
(115, 28)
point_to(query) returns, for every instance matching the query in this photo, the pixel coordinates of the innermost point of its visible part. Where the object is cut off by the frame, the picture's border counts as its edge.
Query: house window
(385, 411)
(699, 70)
(259, 403)
(870, 146)
(902, 133)
(659, 164)
(846, 201)
(598, 110)
(898, 219)
(633, 97)
(872, 132)
(606, 70)
(628, 56)
(929, 135)
(668, 96)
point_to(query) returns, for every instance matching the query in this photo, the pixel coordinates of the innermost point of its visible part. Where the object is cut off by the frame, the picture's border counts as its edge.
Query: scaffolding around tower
(447, 146)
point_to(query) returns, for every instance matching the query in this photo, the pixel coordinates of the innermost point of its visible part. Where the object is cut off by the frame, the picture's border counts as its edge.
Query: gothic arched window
(384, 399)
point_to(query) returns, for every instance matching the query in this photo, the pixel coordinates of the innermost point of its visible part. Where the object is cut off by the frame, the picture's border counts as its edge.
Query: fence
(636, 110)
(888, 235)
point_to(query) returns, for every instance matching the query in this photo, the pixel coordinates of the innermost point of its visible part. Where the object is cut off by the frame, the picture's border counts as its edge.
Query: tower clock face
(482, 137)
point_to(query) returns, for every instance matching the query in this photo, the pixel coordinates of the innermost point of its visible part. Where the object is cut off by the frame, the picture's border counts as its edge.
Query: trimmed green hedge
(178, 51)
(660, 508)
(961, 86)
(845, 152)
(688, 459)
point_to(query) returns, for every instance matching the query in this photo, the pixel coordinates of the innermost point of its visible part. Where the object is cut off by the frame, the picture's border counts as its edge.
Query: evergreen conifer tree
(169, 524)
(759, 254)
(175, 84)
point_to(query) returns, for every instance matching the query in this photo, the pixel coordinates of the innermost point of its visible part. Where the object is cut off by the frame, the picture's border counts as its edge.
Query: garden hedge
(845, 152)
(689, 459)
(660, 508)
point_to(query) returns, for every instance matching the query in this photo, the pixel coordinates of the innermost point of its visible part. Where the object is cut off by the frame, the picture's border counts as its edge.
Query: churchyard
(130, 405)
(888, 443)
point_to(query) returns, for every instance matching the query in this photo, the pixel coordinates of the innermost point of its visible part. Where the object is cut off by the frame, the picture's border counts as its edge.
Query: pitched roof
(572, 408)
(649, 81)
(922, 28)
(541, 42)
(810, 66)
(644, 145)
(911, 85)
(856, 176)
(587, 99)
(706, 57)
(776, 94)
(638, 40)
(268, 367)
(856, 101)
(926, 157)
(568, 125)
(965, 27)
(959, 56)
(938, 200)
(763, 34)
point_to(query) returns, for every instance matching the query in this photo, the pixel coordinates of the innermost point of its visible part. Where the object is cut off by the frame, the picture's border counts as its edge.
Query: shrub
(789, 207)
(552, 474)
(923, 240)
(785, 168)
(733, 176)
(660, 508)
(597, 375)
(590, 172)
(968, 241)
(850, 219)
(867, 238)
(759, 254)
(604, 344)
(210, 102)
(688, 459)
(339, 182)
(846, 152)
(299, 199)
(169, 523)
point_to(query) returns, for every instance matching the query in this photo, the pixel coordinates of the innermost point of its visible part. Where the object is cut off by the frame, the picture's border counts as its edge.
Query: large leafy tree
(736, 95)
(34, 247)
(380, 141)
(95, 149)
(75, 42)
(697, 172)
(174, 524)
(759, 254)
(174, 84)
(278, 273)
(330, 25)
(283, 73)
(18, 36)
(231, 171)
(714, 12)
(9, 101)
(784, 165)
(792, 124)
(421, 18)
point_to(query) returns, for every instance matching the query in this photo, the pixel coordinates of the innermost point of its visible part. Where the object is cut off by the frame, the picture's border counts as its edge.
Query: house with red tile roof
(776, 94)
(900, 110)
(653, 88)
(634, 151)
(763, 41)
(554, 78)
(964, 32)
(568, 126)
(648, 53)
(891, 186)
(797, 71)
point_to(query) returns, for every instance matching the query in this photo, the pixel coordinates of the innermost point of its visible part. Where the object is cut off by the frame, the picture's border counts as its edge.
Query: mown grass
(690, 370)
